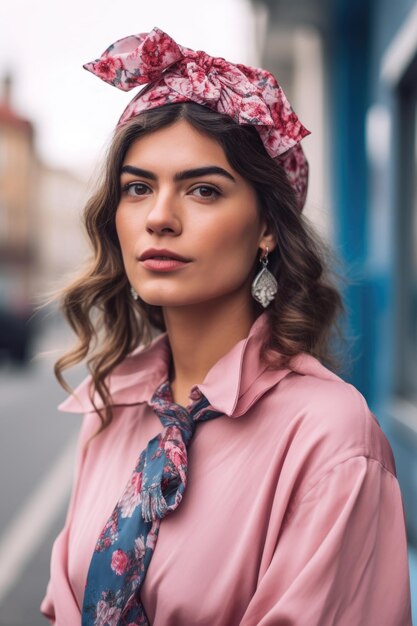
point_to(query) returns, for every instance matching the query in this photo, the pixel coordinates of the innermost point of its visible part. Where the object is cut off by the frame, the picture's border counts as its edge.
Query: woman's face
(181, 198)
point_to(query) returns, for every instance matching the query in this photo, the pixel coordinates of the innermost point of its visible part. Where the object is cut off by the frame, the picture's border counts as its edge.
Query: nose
(164, 217)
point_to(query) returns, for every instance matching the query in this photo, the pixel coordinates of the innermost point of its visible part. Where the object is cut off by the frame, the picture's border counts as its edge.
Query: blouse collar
(234, 383)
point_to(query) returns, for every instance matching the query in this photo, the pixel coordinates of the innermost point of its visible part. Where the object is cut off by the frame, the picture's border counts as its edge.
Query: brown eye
(135, 189)
(205, 191)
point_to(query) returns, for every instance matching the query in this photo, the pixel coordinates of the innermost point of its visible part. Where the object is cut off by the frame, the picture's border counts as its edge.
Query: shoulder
(328, 419)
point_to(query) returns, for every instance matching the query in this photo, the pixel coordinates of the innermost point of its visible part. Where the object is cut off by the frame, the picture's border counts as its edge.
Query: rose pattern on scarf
(173, 73)
(131, 497)
(107, 615)
(139, 548)
(296, 169)
(109, 69)
(119, 562)
(126, 544)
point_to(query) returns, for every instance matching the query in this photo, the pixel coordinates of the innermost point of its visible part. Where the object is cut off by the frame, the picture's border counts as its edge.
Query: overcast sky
(45, 43)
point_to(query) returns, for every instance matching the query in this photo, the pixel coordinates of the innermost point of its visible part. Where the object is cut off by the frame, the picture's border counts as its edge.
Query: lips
(162, 254)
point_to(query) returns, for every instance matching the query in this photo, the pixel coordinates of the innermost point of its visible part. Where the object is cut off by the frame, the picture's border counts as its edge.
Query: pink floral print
(131, 497)
(119, 562)
(173, 73)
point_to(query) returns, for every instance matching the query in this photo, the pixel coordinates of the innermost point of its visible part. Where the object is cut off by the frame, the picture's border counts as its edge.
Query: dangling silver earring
(264, 286)
(134, 293)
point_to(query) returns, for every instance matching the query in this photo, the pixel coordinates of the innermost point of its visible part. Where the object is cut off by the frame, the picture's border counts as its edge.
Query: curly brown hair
(109, 324)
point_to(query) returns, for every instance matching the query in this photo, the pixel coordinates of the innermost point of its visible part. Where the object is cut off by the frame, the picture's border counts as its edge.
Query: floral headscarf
(172, 73)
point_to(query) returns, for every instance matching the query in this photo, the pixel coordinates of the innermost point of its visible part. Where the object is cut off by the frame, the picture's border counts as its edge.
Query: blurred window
(407, 235)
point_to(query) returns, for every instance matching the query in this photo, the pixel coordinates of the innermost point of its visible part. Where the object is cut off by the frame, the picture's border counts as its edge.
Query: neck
(199, 336)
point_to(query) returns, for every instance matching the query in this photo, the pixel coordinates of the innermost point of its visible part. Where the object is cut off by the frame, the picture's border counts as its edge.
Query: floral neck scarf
(127, 542)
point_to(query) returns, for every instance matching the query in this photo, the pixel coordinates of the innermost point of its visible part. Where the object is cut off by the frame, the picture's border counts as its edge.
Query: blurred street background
(349, 67)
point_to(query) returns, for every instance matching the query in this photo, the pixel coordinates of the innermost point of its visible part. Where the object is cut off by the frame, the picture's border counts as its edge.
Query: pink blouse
(292, 514)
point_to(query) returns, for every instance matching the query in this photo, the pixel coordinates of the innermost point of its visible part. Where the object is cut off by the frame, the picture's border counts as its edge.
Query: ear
(267, 239)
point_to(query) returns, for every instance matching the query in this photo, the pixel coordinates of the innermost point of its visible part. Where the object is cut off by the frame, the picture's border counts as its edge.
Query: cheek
(233, 241)
(126, 229)
(227, 254)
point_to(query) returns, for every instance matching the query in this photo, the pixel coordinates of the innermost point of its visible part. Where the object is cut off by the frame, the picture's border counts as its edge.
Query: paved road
(36, 443)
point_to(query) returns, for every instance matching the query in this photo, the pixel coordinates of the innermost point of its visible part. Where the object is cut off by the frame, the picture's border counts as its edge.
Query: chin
(163, 299)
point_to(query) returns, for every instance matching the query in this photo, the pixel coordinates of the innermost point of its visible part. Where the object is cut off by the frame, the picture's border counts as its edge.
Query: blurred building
(293, 49)
(18, 203)
(63, 247)
(352, 64)
(40, 234)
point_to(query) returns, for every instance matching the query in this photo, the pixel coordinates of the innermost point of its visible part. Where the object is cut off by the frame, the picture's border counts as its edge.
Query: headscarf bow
(174, 73)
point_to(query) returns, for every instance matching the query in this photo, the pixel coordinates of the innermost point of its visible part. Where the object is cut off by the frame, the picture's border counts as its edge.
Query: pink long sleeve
(340, 555)
(59, 587)
(292, 515)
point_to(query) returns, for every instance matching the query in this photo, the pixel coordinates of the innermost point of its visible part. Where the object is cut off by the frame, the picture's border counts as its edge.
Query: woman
(292, 512)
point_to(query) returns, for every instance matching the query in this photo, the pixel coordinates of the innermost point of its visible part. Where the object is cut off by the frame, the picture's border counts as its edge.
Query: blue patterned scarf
(126, 544)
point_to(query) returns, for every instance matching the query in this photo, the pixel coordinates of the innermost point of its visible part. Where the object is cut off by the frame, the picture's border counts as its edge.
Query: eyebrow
(185, 175)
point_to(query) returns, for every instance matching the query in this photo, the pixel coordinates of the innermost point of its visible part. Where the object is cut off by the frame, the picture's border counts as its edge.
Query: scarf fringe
(153, 503)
